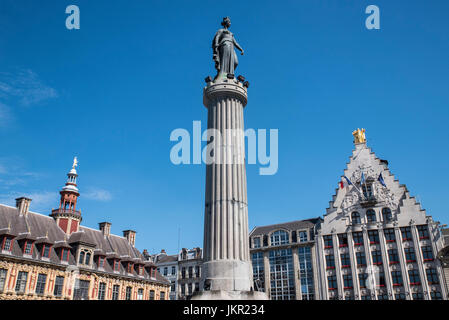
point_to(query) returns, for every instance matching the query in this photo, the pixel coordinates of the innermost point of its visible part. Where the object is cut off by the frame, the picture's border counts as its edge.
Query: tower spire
(66, 216)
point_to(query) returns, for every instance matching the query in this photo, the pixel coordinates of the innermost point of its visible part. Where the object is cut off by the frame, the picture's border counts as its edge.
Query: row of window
(190, 288)
(373, 236)
(183, 271)
(128, 293)
(27, 247)
(379, 279)
(190, 270)
(81, 291)
(371, 216)
(282, 237)
(84, 258)
(393, 257)
(165, 272)
(21, 282)
(434, 295)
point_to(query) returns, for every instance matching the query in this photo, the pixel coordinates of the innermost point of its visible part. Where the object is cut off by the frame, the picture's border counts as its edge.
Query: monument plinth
(227, 269)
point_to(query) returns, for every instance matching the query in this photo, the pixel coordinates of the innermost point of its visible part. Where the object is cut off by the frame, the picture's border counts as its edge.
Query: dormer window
(84, 257)
(101, 262)
(303, 236)
(256, 242)
(116, 265)
(130, 267)
(279, 237)
(46, 249)
(28, 247)
(140, 268)
(64, 254)
(7, 244)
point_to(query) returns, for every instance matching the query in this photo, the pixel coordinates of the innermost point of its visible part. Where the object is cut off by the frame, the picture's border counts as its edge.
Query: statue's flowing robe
(224, 53)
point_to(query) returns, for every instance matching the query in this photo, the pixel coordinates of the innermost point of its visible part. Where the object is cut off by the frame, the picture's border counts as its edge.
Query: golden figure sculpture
(359, 136)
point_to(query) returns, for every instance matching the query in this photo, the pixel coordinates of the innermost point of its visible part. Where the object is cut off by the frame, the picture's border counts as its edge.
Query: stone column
(297, 273)
(227, 264)
(266, 272)
(403, 263)
(420, 262)
(353, 259)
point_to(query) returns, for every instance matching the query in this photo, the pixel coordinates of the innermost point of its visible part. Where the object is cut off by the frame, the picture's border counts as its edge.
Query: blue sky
(112, 92)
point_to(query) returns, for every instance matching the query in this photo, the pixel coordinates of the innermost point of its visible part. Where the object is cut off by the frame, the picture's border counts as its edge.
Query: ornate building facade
(184, 271)
(54, 257)
(376, 242)
(284, 260)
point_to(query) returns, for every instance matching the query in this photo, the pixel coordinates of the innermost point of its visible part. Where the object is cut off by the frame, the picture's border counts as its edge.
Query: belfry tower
(66, 216)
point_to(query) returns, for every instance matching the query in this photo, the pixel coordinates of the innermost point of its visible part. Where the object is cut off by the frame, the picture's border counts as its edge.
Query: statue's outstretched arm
(236, 44)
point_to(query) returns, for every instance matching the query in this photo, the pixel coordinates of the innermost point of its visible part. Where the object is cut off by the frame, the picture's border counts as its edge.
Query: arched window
(355, 217)
(87, 258)
(386, 214)
(81, 260)
(370, 215)
(279, 237)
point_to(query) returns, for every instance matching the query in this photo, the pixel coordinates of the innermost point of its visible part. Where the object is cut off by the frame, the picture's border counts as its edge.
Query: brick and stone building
(284, 260)
(376, 241)
(54, 257)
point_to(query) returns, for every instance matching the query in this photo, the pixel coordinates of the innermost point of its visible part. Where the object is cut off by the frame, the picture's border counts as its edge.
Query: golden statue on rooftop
(359, 136)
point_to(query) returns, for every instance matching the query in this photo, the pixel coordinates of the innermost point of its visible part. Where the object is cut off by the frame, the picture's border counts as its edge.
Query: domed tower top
(66, 216)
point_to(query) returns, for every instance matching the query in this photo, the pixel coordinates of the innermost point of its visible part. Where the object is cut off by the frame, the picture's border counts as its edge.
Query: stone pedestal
(227, 265)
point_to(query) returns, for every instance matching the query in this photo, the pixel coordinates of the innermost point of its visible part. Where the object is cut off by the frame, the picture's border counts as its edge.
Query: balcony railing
(368, 201)
(68, 211)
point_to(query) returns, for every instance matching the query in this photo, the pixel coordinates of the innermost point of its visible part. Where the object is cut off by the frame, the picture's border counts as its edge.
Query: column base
(229, 295)
(228, 275)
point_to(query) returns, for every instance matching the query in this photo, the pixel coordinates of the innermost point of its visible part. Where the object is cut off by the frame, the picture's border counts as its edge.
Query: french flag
(345, 182)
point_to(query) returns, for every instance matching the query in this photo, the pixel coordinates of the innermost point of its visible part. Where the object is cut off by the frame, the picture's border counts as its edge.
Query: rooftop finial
(359, 136)
(75, 162)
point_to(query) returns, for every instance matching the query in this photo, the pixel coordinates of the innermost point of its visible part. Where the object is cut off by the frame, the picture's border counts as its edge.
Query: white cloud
(40, 200)
(97, 194)
(26, 86)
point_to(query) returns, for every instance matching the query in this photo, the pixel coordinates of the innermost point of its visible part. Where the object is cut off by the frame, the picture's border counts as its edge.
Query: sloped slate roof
(166, 258)
(45, 230)
(291, 226)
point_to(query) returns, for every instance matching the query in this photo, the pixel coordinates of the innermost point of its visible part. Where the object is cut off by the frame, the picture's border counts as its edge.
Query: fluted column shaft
(226, 208)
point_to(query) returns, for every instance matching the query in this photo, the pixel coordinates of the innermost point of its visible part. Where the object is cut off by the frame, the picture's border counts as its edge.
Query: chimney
(130, 235)
(105, 227)
(23, 205)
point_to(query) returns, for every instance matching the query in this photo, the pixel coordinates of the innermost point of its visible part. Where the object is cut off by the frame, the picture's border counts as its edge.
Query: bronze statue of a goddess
(223, 50)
